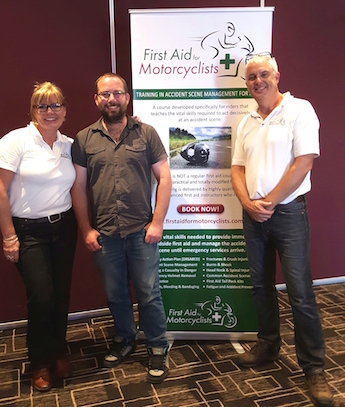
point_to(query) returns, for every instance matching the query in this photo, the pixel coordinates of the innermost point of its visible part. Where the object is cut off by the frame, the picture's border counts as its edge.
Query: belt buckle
(54, 218)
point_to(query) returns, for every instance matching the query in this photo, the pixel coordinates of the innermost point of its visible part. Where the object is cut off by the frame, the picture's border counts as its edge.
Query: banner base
(207, 336)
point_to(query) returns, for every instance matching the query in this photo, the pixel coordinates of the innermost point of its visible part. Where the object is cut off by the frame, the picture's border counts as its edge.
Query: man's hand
(90, 240)
(259, 210)
(154, 233)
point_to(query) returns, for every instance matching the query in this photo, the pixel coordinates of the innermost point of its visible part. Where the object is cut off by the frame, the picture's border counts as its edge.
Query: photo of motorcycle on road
(200, 147)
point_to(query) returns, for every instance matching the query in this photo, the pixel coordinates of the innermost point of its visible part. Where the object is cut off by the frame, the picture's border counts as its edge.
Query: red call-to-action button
(202, 208)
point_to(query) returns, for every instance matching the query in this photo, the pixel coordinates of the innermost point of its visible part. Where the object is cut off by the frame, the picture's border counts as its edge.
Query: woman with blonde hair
(38, 227)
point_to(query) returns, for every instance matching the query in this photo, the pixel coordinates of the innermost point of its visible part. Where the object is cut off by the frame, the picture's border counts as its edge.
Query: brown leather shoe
(42, 379)
(63, 368)
(320, 392)
(260, 354)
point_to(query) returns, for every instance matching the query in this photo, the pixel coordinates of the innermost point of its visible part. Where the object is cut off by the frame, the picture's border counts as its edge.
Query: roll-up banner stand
(188, 83)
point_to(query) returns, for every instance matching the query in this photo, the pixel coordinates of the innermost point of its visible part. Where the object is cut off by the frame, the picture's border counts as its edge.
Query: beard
(113, 117)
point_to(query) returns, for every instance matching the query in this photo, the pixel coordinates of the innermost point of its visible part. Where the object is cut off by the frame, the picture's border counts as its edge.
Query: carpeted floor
(202, 373)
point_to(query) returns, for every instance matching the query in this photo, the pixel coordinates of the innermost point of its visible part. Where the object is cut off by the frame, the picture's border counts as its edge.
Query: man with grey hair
(274, 152)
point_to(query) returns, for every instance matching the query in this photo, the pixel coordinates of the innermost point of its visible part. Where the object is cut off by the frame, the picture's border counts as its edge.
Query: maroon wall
(68, 43)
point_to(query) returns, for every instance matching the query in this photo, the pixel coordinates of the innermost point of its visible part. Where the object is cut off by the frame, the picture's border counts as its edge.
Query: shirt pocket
(136, 153)
(95, 156)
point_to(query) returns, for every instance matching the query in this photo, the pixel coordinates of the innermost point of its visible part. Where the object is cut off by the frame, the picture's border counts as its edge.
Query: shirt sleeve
(238, 157)
(306, 130)
(11, 150)
(157, 150)
(78, 152)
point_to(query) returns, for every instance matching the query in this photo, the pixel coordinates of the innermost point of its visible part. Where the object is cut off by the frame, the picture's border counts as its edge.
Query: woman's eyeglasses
(55, 107)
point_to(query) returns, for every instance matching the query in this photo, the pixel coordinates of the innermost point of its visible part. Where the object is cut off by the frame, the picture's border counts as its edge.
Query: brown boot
(320, 392)
(260, 354)
(63, 368)
(42, 379)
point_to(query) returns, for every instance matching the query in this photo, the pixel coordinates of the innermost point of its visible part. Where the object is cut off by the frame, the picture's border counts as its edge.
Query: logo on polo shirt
(65, 155)
(280, 122)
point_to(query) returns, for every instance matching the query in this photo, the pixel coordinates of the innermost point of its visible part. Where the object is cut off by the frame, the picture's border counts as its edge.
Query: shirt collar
(98, 125)
(59, 137)
(286, 98)
(36, 134)
(131, 122)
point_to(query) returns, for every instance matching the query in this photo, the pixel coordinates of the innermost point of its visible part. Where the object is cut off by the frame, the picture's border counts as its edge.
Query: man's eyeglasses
(106, 95)
(261, 54)
(55, 107)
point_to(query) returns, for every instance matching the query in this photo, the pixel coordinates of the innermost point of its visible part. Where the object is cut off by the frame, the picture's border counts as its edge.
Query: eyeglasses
(261, 54)
(55, 107)
(106, 95)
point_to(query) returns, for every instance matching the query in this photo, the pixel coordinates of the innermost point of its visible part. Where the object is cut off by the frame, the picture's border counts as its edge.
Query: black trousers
(45, 263)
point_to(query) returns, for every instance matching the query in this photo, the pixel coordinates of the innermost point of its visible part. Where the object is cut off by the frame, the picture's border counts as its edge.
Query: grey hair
(260, 58)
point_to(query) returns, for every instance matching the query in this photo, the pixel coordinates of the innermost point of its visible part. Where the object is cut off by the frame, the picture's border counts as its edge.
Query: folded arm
(258, 209)
(291, 180)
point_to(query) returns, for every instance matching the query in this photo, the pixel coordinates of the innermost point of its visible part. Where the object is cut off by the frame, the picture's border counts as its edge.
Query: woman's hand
(11, 248)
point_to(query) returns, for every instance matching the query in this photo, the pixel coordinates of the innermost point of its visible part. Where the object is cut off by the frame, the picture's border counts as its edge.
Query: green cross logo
(227, 61)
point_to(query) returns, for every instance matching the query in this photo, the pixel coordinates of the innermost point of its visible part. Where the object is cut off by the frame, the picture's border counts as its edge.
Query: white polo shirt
(267, 148)
(43, 176)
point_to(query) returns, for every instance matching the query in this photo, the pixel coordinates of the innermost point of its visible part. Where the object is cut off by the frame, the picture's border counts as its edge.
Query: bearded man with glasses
(114, 158)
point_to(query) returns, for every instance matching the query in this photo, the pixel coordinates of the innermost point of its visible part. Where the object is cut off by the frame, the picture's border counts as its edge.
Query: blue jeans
(286, 232)
(130, 258)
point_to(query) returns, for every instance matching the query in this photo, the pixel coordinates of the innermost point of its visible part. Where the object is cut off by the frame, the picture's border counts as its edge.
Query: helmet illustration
(195, 153)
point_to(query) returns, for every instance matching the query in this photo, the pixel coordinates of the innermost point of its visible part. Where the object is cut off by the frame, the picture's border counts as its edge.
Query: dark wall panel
(68, 43)
(308, 41)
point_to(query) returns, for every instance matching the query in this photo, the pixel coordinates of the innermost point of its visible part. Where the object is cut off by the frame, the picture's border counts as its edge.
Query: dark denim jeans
(131, 258)
(287, 232)
(45, 263)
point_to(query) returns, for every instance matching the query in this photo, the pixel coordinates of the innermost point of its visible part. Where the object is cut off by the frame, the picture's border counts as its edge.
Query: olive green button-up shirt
(119, 175)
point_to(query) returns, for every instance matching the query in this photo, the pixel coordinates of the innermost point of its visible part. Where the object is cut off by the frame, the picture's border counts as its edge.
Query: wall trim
(101, 312)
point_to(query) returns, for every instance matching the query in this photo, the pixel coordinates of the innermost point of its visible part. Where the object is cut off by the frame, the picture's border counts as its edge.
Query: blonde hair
(42, 91)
